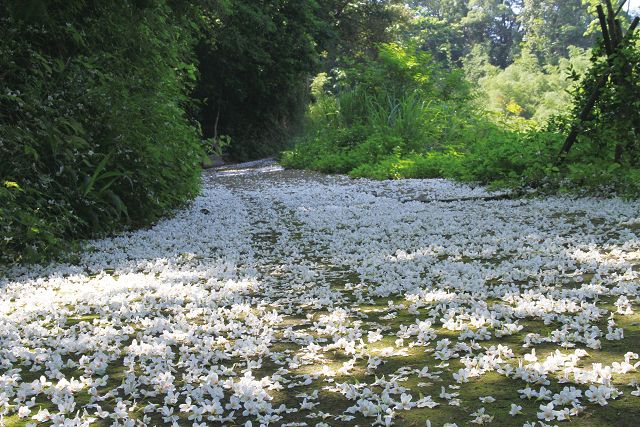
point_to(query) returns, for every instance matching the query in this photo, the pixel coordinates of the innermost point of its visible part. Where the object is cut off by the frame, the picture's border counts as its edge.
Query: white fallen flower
(515, 410)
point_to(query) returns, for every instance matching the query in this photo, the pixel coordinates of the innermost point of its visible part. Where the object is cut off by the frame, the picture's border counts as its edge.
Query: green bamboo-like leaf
(91, 182)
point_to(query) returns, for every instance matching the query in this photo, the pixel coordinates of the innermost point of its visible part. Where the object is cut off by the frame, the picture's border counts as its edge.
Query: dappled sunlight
(333, 303)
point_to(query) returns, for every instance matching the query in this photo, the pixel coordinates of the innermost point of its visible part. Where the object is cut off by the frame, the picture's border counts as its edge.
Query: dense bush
(403, 116)
(612, 131)
(93, 133)
(401, 102)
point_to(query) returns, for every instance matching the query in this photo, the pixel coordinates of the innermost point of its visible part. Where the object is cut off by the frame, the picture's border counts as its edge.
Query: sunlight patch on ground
(281, 299)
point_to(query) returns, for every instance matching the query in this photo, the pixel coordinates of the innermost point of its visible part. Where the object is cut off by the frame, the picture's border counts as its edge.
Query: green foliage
(402, 116)
(553, 27)
(217, 146)
(400, 103)
(253, 63)
(442, 38)
(612, 132)
(527, 89)
(451, 30)
(93, 134)
(354, 28)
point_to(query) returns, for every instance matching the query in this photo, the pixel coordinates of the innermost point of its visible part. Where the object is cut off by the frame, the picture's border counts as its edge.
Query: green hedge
(93, 133)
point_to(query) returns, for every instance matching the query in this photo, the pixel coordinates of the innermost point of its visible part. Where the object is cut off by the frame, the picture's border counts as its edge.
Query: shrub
(93, 134)
(400, 103)
(401, 116)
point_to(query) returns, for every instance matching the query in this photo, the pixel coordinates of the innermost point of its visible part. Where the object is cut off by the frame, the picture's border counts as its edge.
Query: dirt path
(292, 298)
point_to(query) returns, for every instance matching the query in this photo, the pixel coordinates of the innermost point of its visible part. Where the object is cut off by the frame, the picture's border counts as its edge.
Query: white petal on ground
(276, 287)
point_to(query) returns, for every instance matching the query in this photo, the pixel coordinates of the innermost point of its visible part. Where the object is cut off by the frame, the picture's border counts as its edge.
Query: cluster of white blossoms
(276, 301)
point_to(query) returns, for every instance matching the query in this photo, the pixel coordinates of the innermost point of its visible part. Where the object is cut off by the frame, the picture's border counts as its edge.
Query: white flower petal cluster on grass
(301, 302)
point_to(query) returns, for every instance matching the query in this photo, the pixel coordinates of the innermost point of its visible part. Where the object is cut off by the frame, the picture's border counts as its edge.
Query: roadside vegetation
(413, 111)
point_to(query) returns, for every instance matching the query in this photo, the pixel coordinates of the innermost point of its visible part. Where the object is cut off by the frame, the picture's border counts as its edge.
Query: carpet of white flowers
(281, 299)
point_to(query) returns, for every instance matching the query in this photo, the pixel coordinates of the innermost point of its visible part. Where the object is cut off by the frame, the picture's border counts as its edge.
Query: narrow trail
(290, 298)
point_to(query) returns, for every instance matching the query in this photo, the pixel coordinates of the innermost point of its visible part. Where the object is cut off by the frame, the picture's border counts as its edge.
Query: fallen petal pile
(299, 300)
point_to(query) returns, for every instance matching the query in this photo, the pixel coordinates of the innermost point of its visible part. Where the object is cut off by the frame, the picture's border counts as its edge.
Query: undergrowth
(93, 134)
(404, 116)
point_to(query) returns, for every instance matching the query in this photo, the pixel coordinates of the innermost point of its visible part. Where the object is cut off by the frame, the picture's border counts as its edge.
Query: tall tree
(438, 30)
(550, 27)
(452, 28)
(495, 22)
(354, 28)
